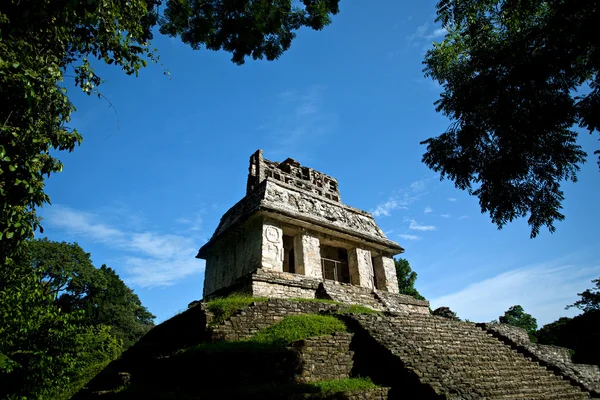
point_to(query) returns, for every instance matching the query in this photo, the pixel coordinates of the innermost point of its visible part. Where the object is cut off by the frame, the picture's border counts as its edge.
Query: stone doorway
(334, 263)
(289, 263)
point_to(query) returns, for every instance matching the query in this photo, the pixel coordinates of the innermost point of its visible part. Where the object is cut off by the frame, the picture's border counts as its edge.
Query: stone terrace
(458, 360)
(412, 355)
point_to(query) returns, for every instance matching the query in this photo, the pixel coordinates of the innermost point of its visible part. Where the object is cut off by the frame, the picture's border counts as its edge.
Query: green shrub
(344, 385)
(225, 307)
(357, 309)
(298, 327)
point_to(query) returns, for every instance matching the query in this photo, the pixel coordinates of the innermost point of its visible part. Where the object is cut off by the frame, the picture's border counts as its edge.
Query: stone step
(458, 357)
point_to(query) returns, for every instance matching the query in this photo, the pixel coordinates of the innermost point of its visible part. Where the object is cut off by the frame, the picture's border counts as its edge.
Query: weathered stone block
(307, 254)
(361, 267)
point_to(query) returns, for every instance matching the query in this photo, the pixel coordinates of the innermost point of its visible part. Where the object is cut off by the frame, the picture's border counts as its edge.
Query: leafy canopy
(590, 299)
(99, 295)
(42, 42)
(61, 319)
(516, 316)
(406, 278)
(517, 77)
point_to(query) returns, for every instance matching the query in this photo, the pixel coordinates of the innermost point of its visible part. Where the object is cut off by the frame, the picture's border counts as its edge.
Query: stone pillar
(307, 255)
(272, 247)
(361, 267)
(385, 274)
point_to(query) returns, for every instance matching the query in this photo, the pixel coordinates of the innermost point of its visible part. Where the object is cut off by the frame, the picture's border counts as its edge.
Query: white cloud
(542, 290)
(445, 215)
(463, 217)
(425, 34)
(401, 199)
(436, 34)
(417, 227)
(428, 210)
(409, 237)
(151, 258)
(451, 199)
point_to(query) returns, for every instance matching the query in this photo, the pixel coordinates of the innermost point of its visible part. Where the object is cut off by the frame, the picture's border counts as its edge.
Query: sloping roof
(291, 202)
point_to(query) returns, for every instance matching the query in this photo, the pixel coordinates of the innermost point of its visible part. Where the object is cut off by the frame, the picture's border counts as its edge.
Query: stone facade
(292, 221)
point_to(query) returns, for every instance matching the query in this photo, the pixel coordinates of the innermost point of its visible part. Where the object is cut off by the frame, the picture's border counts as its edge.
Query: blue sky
(155, 173)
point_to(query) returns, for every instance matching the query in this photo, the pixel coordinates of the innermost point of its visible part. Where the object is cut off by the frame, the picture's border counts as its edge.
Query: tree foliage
(517, 77)
(66, 272)
(406, 278)
(60, 317)
(516, 316)
(42, 42)
(590, 299)
(579, 333)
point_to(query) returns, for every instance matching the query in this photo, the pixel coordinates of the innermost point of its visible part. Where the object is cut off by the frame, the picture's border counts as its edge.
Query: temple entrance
(334, 262)
(289, 264)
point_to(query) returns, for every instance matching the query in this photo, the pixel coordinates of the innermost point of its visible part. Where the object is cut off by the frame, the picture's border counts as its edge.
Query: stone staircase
(458, 360)
(349, 294)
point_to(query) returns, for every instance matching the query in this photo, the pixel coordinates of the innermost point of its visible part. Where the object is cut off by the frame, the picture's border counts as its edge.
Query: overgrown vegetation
(297, 327)
(80, 318)
(324, 387)
(42, 43)
(343, 385)
(406, 278)
(356, 309)
(223, 308)
(277, 336)
(517, 77)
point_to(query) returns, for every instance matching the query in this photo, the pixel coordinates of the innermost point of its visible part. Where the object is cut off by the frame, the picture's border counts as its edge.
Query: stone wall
(283, 285)
(371, 394)
(349, 294)
(401, 303)
(555, 358)
(234, 257)
(260, 315)
(324, 357)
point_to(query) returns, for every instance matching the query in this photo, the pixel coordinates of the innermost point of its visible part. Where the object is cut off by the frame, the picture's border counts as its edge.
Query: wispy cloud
(463, 217)
(541, 290)
(149, 258)
(409, 237)
(401, 199)
(425, 34)
(414, 225)
(451, 199)
(298, 116)
(428, 210)
(445, 215)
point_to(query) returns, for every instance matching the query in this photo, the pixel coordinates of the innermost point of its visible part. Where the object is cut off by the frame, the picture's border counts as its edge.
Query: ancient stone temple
(291, 236)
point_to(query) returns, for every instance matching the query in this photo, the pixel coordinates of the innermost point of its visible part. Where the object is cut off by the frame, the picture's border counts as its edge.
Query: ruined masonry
(289, 239)
(292, 237)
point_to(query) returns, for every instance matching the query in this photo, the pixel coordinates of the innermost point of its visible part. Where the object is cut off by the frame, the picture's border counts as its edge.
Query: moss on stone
(357, 309)
(303, 300)
(343, 385)
(298, 327)
(224, 308)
